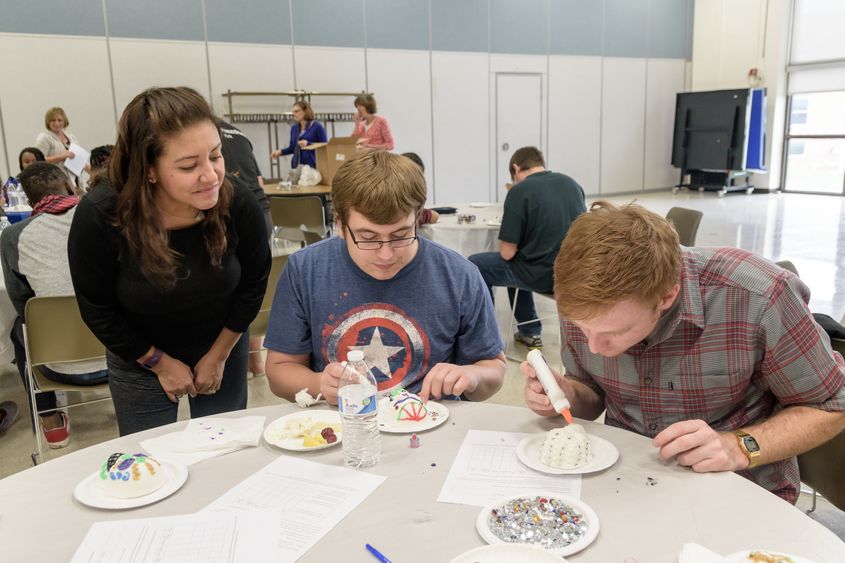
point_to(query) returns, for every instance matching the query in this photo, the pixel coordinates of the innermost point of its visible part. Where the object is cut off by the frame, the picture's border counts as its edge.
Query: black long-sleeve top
(129, 314)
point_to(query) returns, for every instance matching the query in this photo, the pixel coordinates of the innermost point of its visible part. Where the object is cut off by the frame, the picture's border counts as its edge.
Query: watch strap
(753, 457)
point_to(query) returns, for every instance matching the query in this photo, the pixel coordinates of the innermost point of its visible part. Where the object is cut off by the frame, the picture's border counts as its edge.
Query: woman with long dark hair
(170, 261)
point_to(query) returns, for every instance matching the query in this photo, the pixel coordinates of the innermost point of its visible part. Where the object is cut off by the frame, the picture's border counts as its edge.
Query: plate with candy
(129, 481)
(559, 524)
(303, 432)
(403, 412)
(567, 451)
(763, 556)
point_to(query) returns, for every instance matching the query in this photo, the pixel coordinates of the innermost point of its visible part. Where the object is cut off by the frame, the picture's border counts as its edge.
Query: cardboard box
(330, 156)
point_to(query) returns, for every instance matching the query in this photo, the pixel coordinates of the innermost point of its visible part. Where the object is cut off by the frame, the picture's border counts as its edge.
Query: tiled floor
(808, 230)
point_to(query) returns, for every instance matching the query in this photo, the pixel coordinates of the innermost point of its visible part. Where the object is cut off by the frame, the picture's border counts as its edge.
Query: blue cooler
(15, 216)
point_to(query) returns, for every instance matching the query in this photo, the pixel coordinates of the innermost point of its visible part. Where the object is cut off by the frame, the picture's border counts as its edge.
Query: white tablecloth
(641, 520)
(467, 238)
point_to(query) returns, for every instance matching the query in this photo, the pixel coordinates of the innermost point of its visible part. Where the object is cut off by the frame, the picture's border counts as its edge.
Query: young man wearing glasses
(420, 312)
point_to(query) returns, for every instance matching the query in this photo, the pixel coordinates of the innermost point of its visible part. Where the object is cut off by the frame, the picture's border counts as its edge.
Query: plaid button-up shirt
(737, 346)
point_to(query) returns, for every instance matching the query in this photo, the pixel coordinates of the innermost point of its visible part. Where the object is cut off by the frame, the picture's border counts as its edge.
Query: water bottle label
(351, 404)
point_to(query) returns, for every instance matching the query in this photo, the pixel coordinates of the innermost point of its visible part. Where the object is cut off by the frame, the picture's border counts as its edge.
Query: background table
(402, 518)
(273, 189)
(467, 238)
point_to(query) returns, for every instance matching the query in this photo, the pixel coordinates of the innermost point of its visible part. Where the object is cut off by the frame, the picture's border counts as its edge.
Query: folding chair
(821, 469)
(298, 219)
(54, 332)
(259, 325)
(511, 323)
(686, 222)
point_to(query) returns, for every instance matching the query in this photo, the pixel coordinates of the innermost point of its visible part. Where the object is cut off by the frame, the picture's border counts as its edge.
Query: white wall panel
(461, 127)
(253, 68)
(5, 171)
(82, 90)
(401, 81)
(250, 67)
(330, 69)
(623, 123)
(727, 42)
(575, 119)
(141, 64)
(664, 79)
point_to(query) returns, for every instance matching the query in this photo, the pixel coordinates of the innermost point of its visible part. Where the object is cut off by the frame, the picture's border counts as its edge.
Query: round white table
(467, 239)
(40, 520)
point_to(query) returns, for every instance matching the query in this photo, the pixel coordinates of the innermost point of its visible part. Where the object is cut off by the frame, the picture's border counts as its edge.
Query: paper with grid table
(276, 514)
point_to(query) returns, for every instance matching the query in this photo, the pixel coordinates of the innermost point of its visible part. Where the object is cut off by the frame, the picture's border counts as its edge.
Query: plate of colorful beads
(559, 524)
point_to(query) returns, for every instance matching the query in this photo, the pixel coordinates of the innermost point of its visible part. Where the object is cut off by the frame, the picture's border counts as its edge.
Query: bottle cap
(355, 355)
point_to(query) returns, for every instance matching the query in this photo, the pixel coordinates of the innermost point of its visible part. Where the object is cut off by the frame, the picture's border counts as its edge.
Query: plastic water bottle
(358, 405)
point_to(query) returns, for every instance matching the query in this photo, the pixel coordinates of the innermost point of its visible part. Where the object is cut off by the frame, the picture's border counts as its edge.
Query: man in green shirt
(538, 211)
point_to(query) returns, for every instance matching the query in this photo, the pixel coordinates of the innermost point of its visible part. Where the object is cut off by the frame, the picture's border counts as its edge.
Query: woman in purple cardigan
(304, 132)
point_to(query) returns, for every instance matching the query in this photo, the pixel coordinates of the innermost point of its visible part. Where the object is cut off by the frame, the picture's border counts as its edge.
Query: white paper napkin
(694, 553)
(206, 438)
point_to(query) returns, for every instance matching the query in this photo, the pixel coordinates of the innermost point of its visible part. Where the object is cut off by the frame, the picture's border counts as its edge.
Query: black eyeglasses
(377, 244)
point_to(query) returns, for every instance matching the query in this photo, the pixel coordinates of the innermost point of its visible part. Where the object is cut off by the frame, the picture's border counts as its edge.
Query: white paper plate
(742, 556)
(295, 444)
(481, 204)
(87, 492)
(387, 420)
(587, 512)
(508, 553)
(605, 454)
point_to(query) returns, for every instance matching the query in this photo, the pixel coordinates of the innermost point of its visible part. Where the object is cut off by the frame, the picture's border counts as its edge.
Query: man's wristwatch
(749, 447)
(153, 360)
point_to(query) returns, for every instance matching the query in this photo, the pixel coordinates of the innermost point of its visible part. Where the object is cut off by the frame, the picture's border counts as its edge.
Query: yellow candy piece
(310, 440)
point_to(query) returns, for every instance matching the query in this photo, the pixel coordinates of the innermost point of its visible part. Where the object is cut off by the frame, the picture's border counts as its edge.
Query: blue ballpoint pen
(377, 554)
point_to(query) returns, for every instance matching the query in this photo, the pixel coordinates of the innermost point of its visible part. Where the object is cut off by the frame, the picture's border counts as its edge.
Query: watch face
(751, 444)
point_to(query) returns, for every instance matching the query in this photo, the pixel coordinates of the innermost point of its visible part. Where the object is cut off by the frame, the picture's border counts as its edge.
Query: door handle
(505, 146)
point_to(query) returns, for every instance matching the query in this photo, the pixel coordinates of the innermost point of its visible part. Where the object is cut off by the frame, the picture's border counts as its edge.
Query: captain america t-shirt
(436, 309)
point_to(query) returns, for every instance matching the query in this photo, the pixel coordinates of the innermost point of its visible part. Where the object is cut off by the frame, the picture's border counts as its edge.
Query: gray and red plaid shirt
(736, 347)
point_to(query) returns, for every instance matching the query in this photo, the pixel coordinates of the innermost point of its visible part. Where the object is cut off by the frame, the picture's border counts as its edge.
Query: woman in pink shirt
(372, 131)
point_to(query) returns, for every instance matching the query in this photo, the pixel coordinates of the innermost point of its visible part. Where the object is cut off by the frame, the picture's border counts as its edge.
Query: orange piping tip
(567, 415)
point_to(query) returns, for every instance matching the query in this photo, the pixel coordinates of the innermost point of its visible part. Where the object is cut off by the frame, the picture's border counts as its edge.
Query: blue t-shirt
(436, 309)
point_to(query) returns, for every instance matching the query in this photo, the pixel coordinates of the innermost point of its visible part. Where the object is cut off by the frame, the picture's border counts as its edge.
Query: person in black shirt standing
(240, 163)
(169, 262)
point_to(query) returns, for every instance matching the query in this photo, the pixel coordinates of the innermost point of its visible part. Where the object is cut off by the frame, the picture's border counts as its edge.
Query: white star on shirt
(377, 354)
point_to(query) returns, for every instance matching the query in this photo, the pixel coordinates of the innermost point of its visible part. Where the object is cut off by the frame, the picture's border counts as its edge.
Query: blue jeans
(497, 273)
(140, 402)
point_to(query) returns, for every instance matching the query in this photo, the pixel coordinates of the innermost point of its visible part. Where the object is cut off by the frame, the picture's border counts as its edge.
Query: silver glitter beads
(545, 522)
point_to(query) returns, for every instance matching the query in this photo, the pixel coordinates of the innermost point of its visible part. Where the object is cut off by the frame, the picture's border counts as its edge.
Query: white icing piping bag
(547, 379)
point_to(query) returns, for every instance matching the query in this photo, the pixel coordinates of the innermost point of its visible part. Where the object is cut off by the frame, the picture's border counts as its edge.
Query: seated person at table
(538, 211)
(419, 311)
(427, 215)
(35, 263)
(98, 164)
(712, 352)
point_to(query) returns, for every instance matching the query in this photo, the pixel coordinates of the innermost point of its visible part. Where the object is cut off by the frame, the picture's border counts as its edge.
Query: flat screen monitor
(711, 130)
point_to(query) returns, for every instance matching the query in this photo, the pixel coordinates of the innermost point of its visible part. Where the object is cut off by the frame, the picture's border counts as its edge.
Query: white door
(519, 120)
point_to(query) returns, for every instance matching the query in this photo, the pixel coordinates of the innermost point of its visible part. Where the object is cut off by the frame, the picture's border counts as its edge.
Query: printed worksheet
(312, 497)
(486, 469)
(211, 537)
